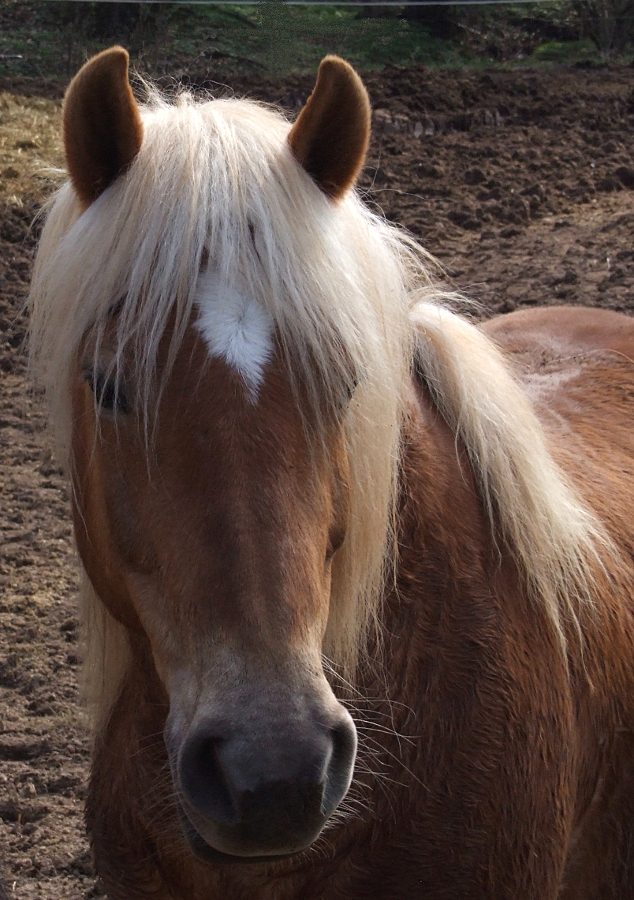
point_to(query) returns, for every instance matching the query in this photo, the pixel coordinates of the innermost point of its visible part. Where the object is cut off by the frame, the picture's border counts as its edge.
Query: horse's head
(211, 501)
(216, 543)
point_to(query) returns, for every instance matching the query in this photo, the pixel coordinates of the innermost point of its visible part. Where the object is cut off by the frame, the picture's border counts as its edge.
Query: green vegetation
(55, 37)
(565, 52)
(51, 39)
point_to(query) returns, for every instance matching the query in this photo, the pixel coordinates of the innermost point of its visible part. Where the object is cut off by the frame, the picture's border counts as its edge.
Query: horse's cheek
(101, 567)
(92, 523)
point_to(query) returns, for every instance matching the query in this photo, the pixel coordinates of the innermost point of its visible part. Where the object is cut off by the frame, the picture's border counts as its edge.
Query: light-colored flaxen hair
(351, 297)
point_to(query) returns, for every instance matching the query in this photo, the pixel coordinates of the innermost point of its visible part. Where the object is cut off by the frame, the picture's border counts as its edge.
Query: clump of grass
(29, 144)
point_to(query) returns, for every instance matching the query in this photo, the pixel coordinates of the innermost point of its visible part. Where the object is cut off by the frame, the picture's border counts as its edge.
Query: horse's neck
(445, 540)
(450, 572)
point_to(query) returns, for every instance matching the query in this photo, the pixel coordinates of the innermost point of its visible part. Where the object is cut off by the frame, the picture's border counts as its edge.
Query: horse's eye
(109, 395)
(347, 393)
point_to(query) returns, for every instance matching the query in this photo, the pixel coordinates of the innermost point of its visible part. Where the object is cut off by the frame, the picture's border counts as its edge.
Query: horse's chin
(206, 853)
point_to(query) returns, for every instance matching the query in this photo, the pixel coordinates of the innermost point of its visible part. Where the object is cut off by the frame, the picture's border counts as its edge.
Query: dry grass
(30, 147)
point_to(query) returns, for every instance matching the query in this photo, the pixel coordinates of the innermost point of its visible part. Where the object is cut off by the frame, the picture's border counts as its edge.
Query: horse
(358, 572)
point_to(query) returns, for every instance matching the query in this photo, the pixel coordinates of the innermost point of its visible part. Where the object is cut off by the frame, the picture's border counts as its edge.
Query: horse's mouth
(206, 853)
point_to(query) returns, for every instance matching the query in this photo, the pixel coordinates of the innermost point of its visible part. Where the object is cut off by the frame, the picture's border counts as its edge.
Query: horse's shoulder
(577, 368)
(563, 331)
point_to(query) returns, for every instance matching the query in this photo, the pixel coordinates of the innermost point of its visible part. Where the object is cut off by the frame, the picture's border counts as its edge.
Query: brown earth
(522, 184)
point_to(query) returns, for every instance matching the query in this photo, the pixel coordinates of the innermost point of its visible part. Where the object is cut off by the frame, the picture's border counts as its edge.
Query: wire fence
(316, 2)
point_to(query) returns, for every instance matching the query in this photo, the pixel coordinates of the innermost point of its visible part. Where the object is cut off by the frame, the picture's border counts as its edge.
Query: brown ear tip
(343, 78)
(112, 53)
(118, 56)
(113, 59)
(331, 60)
(337, 67)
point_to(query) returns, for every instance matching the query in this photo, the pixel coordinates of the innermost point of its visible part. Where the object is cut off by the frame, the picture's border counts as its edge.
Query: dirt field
(520, 182)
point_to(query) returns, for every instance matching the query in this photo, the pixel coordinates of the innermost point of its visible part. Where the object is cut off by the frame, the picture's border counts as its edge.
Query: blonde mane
(215, 183)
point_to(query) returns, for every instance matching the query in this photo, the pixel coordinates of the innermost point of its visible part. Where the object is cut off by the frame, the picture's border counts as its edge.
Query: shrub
(608, 23)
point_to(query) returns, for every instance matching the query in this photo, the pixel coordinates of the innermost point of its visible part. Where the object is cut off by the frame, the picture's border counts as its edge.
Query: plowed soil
(520, 182)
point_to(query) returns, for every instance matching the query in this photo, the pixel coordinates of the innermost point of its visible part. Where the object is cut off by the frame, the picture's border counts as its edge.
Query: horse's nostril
(205, 782)
(339, 775)
(344, 740)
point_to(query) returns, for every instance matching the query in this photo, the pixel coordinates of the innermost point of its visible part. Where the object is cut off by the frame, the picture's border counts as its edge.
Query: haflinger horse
(358, 573)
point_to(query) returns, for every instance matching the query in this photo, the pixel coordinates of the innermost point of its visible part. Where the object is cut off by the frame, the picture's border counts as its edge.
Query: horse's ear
(102, 125)
(330, 137)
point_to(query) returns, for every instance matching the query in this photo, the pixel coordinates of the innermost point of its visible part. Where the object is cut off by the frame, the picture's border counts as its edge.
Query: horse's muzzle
(268, 796)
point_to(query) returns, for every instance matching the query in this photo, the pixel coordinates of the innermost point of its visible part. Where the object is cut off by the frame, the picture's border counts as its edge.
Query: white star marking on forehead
(235, 328)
